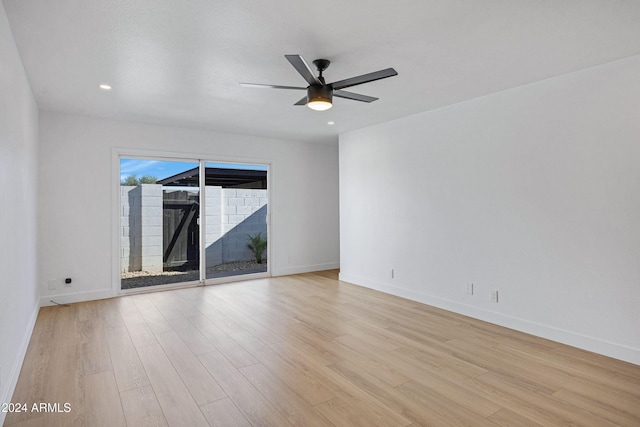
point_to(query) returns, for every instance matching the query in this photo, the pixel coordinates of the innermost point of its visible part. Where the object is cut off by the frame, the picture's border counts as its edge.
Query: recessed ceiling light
(104, 86)
(331, 123)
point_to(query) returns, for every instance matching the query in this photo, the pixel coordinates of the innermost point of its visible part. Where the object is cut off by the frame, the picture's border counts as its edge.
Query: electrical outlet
(52, 284)
(469, 288)
(494, 296)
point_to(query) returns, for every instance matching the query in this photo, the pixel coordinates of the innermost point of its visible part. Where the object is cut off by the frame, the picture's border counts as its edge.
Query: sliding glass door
(191, 221)
(236, 238)
(159, 223)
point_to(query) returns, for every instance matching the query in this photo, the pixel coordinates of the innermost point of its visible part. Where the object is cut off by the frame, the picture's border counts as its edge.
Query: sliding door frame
(201, 160)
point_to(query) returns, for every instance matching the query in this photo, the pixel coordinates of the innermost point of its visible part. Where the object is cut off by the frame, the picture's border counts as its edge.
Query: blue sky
(162, 169)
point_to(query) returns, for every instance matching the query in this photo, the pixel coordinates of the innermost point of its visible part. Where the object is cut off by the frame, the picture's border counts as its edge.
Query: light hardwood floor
(306, 350)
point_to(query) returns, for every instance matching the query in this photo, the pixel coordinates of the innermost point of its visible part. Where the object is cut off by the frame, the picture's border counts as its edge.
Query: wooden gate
(180, 230)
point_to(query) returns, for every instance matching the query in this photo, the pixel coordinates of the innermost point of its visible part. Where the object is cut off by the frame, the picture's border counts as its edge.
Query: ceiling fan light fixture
(319, 92)
(319, 98)
(319, 105)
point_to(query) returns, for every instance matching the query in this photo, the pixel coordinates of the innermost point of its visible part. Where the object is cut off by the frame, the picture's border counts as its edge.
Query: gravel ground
(139, 279)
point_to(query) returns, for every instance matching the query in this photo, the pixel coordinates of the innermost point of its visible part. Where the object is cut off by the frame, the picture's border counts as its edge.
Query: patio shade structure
(225, 178)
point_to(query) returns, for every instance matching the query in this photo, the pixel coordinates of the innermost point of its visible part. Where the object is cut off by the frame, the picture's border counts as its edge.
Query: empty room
(288, 213)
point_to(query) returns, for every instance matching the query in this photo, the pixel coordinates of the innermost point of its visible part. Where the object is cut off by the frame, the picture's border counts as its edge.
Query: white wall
(18, 142)
(533, 191)
(76, 185)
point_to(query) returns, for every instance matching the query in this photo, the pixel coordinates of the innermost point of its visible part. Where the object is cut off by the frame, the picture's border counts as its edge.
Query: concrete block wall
(213, 212)
(231, 215)
(131, 259)
(242, 212)
(141, 224)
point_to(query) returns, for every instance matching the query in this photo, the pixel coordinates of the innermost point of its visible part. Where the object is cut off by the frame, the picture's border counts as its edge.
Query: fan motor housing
(319, 93)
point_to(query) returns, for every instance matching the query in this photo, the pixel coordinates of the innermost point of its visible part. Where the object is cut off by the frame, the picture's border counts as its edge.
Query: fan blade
(303, 101)
(365, 78)
(354, 96)
(301, 66)
(271, 86)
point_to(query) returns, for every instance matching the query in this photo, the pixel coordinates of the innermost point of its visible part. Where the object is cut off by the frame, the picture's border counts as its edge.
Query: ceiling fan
(319, 93)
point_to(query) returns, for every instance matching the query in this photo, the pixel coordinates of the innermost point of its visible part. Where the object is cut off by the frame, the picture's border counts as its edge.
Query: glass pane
(236, 219)
(159, 203)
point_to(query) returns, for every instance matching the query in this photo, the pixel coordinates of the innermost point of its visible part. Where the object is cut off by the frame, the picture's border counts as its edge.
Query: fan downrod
(321, 65)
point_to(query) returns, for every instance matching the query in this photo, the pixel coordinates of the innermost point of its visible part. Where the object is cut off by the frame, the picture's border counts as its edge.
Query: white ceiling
(181, 62)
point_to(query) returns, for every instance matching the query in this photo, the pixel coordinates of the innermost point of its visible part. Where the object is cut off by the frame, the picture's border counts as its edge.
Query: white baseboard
(306, 269)
(71, 298)
(596, 345)
(76, 297)
(14, 374)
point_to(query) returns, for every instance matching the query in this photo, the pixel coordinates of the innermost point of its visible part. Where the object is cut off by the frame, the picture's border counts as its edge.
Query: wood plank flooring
(306, 350)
